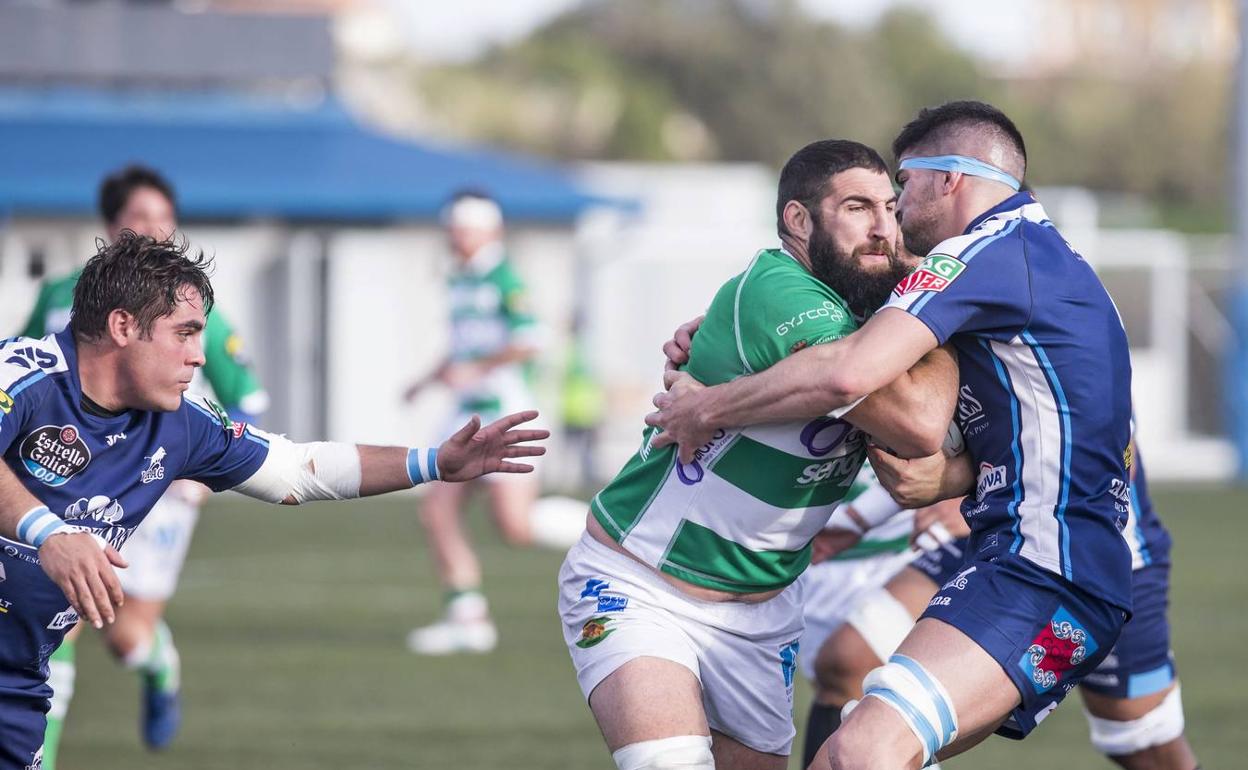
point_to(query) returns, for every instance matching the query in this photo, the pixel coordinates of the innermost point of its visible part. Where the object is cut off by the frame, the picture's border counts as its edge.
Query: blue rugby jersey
(1045, 395)
(101, 473)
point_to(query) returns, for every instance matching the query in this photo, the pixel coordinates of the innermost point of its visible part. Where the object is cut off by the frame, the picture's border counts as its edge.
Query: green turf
(291, 626)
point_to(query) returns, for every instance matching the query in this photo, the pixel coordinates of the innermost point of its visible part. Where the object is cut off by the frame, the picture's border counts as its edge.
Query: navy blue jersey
(100, 473)
(1045, 399)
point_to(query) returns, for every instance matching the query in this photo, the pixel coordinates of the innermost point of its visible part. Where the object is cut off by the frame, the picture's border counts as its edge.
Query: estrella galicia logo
(155, 470)
(54, 454)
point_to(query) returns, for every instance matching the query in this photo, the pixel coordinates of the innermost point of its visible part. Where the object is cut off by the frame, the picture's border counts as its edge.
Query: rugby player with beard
(680, 606)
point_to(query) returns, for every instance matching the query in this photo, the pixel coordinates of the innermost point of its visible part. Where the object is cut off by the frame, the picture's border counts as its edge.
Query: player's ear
(797, 220)
(122, 326)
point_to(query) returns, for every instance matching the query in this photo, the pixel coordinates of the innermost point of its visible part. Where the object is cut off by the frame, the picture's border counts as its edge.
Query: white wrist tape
(38, 524)
(875, 506)
(321, 470)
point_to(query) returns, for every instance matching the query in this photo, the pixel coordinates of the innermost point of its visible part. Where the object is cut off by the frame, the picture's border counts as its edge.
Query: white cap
(473, 213)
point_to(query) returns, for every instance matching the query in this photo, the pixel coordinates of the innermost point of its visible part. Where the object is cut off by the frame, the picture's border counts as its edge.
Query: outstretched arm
(297, 473)
(818, 380)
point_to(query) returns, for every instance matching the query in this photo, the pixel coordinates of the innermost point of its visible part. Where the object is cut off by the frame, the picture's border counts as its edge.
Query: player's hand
(677, 349)
(678, 416)
(832, 542)
(475, 451)
(912, 483)
(947, 513)
(84, 571)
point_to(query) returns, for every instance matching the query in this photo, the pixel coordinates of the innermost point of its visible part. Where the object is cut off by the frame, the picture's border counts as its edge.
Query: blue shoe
(162, 714)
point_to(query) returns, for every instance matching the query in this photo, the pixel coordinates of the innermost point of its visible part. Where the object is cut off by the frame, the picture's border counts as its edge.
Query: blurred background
(634, 148)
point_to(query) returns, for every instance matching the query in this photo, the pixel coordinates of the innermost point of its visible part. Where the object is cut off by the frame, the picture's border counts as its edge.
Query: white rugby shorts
(614, 609)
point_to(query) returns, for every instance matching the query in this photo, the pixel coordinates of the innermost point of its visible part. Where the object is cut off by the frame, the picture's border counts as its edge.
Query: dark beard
(864, 291)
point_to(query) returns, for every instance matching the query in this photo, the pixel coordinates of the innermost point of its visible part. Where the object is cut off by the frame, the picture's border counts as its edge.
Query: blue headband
(962, 165)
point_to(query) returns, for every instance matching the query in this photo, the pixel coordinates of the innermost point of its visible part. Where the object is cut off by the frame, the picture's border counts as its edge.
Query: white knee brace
(683, 752)
(1161, 725)
(921, 701)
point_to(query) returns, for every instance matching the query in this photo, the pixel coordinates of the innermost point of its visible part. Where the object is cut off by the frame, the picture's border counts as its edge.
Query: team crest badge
(1060, 646)
(594, 631)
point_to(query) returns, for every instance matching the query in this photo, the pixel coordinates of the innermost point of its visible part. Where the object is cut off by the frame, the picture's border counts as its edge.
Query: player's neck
(971, 206)
(99, 374)
(796, 249)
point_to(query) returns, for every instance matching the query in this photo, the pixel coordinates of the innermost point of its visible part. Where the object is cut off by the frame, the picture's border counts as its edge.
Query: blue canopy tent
(239, 156)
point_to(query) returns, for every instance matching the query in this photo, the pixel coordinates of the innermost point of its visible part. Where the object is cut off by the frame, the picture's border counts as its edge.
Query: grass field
(291, 627)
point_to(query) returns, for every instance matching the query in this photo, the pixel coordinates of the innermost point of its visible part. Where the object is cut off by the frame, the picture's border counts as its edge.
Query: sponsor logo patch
(63, 620)
(6, 402)
(4, 606)
(991, 478)
(934, 274)
(788, 662)
(827, 310)
(98, 508)
(594, 632)
(593, 587)
(54, 454)
(612, 603)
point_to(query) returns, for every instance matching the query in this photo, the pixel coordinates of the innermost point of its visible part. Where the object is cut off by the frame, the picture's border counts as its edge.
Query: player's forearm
(958, 478)
(293, 474)
(803, 385)
(15, 502)
(512, 354)
(390, 468)
(911, 415)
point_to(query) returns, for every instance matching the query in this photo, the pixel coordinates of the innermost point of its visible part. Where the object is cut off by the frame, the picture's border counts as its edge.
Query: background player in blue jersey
(1041, 347)
(95, 424)
(140, 199)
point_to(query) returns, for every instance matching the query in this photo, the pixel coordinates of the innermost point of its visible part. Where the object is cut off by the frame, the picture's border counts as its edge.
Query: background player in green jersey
(494, 340)
(140, 199)
(680, 605)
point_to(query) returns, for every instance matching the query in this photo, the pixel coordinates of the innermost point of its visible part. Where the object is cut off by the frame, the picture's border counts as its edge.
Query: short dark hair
(806, 175)
(931, 121)
(117, 187)
(470, 192)
(138, 274)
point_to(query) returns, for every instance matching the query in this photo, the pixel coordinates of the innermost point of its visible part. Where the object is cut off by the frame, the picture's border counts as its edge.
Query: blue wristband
(37, 525)
(422, 465)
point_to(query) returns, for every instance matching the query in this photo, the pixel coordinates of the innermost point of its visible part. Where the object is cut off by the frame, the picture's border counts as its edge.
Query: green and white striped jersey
(741, 516)
(489, 312)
